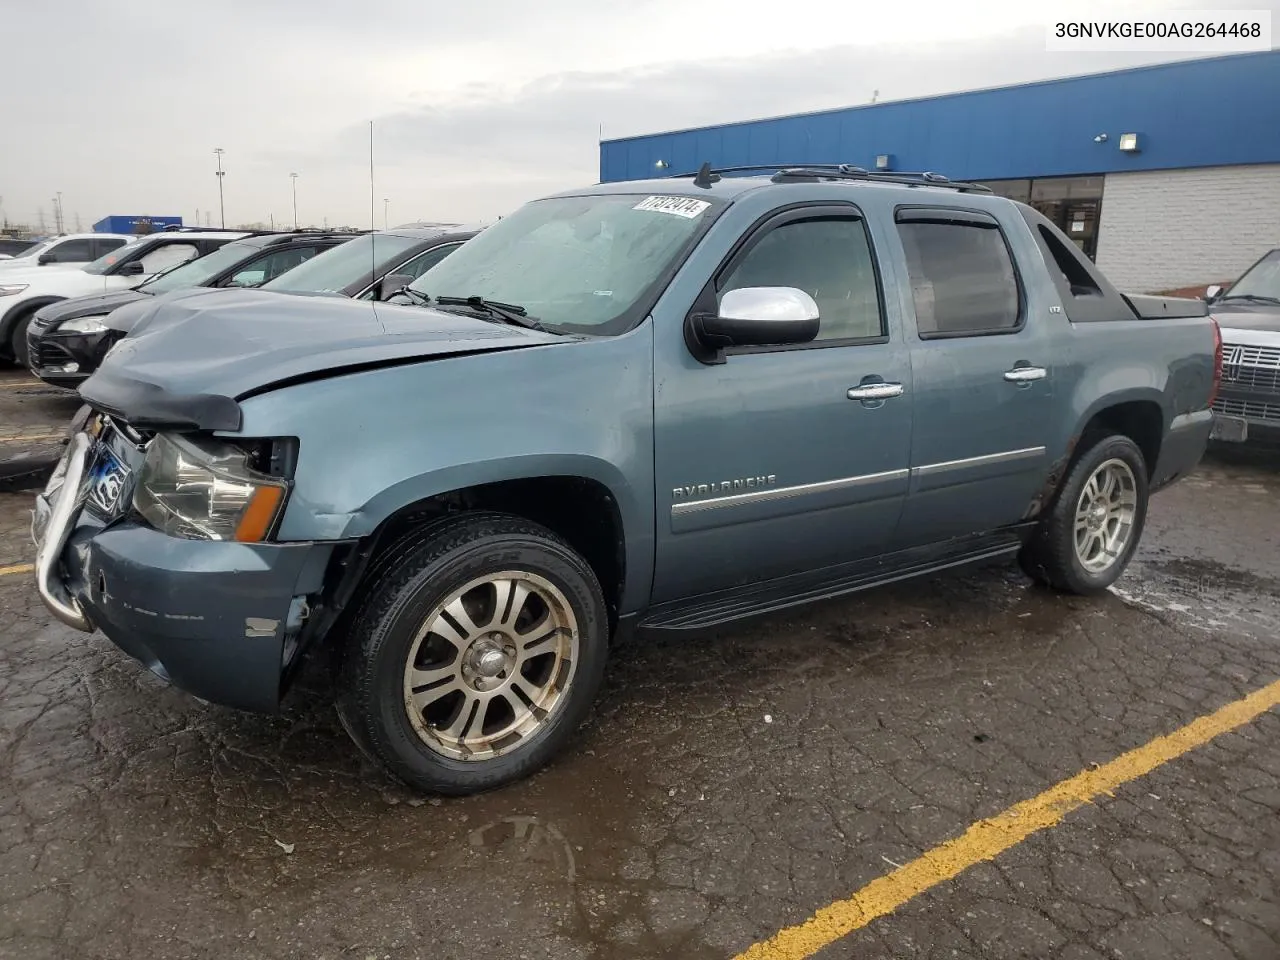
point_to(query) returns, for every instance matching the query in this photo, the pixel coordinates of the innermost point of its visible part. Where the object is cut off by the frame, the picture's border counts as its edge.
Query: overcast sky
(476, 108)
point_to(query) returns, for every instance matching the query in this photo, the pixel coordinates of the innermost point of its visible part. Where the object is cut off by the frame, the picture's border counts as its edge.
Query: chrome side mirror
(759, 316)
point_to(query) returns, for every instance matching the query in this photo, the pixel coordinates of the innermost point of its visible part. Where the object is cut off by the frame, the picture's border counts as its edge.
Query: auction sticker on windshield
(686, 207)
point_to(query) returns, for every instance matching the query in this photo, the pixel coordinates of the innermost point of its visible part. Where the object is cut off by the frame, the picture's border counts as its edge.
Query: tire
(18, 341)
(1054, 557)
(424, 599)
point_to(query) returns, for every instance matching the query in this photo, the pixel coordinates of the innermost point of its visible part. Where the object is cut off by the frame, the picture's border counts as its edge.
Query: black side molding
(147, 406)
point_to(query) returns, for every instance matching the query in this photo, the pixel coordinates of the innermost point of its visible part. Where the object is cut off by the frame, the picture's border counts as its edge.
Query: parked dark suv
(67, 340)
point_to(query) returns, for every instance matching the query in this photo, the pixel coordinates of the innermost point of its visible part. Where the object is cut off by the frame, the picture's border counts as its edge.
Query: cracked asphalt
(723, 788)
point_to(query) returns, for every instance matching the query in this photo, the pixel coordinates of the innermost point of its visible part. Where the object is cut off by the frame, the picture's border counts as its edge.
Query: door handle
(1025, 374)
(876, 391)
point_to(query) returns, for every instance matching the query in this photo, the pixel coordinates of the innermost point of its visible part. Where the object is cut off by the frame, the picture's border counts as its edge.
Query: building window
(1072, 203)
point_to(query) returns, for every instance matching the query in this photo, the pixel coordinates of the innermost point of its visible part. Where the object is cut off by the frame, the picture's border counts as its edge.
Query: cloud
(512, 143)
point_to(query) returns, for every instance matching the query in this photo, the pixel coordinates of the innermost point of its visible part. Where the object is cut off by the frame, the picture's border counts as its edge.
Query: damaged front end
(163, 542)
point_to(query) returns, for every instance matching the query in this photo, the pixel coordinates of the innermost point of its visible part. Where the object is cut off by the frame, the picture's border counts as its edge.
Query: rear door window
(105, 245)
(73, 251)
(963, 281)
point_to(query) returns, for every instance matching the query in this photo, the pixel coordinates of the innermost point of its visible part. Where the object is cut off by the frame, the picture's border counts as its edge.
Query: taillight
(1217, 361)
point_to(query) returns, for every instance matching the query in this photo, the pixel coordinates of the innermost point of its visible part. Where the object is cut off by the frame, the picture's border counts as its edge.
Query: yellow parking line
(17, 568)
(13, 384)
(987, 838)
(33, 437)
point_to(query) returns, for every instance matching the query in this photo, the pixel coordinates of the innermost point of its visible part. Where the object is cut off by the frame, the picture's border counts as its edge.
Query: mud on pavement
(722, 790)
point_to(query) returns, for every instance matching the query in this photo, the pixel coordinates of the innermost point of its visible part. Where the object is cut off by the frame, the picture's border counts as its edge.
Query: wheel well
(581, 511)
(1140, 420)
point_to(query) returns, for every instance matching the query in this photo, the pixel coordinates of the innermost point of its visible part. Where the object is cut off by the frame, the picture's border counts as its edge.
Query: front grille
(1253, 368)
(46, 354)
(1249, 409)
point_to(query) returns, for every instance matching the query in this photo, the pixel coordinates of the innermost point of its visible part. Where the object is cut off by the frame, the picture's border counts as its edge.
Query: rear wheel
(475, 655)
(1091, 531)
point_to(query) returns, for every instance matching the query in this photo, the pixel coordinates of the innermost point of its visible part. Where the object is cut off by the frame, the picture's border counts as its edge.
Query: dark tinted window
(962, 278)
(105, 245)
(424, 262)
(74, 251)
(829, 259)
(275, 264)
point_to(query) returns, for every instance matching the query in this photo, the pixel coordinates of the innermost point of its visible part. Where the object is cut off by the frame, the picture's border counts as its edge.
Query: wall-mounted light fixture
(1129, 143)
(884, 161)
(1100, 138)
(662, 164)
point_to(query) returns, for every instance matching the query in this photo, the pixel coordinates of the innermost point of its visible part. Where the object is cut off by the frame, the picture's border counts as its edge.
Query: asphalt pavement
(723, 789)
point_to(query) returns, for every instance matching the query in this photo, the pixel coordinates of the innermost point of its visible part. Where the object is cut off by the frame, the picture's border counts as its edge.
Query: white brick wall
(1168, 229)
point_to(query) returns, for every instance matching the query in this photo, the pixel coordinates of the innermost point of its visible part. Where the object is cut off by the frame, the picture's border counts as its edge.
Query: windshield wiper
(1254, 297)
(421, 299)
(510, 313)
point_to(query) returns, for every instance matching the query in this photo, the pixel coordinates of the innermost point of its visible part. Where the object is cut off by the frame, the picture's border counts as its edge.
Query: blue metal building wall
(125, 224)
(1200, 113)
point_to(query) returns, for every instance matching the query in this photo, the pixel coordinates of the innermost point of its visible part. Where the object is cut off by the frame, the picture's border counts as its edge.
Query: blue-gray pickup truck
(634, 407)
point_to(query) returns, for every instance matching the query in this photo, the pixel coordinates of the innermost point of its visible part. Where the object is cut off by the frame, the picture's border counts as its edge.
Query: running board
(738, 603)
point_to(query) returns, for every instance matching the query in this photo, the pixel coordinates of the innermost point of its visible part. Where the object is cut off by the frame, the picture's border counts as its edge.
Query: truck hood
(1241, 315)
(193, 354)
(94, 305)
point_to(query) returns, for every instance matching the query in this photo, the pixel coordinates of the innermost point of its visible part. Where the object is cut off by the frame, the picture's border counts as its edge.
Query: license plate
(106, 481)
(1231, 429)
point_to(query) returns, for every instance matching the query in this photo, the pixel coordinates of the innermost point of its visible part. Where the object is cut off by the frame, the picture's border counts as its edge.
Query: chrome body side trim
(1006, 456)
(784, 493)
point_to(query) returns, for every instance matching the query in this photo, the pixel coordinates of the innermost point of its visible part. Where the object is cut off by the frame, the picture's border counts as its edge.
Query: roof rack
(791, 172)
(182, 228)
(925, 179)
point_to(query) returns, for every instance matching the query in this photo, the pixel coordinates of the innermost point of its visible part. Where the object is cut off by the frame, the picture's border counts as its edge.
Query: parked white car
(23, 291)
(70, 250)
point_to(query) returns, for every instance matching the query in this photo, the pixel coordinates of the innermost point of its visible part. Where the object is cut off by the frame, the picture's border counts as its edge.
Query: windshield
(110, 259)
(1261, 280)
(194, 273)
(339, 267)
(579, 264)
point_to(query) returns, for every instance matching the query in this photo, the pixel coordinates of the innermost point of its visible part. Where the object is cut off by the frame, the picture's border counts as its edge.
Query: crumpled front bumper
(219, 619)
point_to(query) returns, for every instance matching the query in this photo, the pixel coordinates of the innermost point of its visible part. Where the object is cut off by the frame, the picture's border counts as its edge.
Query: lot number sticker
(679, 206)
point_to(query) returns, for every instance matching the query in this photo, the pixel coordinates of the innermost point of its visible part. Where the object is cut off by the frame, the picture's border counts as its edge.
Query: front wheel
(476, 654)
(18, 341)
(1092, 529)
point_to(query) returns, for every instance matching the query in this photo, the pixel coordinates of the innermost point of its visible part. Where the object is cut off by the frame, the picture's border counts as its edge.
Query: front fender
(376, 441)
(458, 477)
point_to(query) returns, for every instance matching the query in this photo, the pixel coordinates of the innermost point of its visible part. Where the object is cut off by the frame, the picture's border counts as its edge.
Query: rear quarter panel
(1168, 362)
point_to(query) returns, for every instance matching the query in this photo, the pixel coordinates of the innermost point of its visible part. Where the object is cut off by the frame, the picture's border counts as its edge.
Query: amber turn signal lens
(258, 516)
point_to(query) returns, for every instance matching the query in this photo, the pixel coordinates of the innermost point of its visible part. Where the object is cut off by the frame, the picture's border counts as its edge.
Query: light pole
(294, 178)
(385, 203)
(222, 210)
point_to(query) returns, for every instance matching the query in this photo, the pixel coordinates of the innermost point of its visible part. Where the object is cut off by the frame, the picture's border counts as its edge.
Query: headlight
(84, 325)
(9, 289)
(206, 491)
